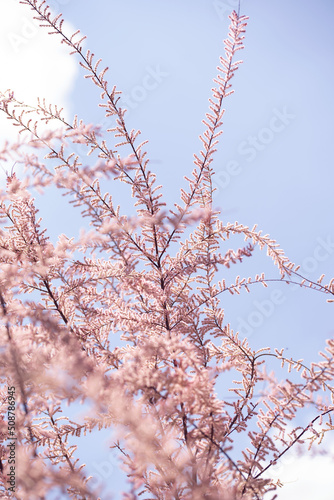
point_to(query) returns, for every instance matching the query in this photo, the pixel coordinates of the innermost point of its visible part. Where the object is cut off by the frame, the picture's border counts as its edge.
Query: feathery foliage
(62, 305)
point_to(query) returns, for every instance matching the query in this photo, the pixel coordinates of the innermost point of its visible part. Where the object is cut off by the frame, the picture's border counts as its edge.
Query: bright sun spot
(34, 63)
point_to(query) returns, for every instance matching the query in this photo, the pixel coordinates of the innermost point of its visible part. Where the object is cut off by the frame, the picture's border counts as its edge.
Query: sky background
(274, 166)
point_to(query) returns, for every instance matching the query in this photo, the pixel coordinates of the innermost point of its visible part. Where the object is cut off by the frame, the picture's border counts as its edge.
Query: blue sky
(274, 166)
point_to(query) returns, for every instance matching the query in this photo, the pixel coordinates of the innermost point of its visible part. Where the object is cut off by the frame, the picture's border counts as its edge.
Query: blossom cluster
(118, 320)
